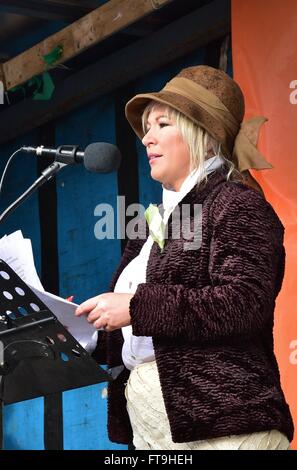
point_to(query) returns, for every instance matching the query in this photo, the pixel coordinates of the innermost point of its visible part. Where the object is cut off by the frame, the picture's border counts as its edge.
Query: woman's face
(168, 154)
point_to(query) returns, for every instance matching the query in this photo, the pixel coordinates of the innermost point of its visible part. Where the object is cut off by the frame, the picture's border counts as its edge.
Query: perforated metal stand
(40, 356)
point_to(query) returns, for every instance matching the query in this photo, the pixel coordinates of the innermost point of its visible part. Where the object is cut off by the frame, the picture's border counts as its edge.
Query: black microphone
(99, 157)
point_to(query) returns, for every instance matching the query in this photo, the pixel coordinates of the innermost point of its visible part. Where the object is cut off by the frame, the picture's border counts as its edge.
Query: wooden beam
(197, 29)
(79, 36)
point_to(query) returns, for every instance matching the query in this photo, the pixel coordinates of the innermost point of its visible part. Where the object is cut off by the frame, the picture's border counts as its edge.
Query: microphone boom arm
(46, 175)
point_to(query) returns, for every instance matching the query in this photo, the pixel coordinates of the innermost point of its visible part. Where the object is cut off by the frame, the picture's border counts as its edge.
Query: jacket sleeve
(246, 270)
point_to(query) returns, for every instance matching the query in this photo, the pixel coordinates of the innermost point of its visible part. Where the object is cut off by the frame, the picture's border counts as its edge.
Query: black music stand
(39, 355)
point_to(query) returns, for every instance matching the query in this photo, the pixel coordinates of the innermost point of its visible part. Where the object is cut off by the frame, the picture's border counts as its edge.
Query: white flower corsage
(156, 225)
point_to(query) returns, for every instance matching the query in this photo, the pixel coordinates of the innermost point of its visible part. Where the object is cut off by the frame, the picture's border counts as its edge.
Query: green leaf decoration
(53, 56)
(47, 89)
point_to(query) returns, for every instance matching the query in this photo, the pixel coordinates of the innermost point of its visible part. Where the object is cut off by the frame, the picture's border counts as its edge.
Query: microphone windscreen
(102, 157)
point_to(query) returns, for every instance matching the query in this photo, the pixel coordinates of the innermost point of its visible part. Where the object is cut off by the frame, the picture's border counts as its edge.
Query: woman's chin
(164, 182)
(155, 175)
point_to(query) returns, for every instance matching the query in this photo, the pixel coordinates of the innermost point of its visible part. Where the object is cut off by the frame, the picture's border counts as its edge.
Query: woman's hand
(108, 311)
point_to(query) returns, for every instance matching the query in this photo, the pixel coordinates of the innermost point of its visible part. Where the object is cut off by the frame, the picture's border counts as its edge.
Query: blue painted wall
(23, 425)
(85, 266)
(19, 177)
(85, 263)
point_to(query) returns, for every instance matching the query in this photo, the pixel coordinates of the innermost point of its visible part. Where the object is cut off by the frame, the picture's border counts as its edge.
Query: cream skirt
(150, 424)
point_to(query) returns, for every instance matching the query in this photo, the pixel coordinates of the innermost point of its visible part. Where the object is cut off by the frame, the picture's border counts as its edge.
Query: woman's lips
(153, 157)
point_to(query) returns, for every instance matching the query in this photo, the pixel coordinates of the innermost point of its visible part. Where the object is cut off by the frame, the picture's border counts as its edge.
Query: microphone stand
(46, 174)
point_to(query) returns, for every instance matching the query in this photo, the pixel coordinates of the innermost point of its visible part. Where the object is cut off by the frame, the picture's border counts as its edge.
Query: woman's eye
(163, 124)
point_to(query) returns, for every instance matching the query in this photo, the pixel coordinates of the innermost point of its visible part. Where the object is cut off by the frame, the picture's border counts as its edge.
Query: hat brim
(136, 106)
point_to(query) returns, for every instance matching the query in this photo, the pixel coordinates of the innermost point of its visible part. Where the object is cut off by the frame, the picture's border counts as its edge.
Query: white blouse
(139, 349)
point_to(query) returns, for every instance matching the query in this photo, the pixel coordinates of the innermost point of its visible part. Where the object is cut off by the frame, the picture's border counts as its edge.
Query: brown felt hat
(214, 80)
(215, 102)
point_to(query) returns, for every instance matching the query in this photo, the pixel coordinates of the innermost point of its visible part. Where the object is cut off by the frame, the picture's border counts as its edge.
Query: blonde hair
(201, 144)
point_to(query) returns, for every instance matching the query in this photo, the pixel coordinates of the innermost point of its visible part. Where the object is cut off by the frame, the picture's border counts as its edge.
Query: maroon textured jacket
(210, 313)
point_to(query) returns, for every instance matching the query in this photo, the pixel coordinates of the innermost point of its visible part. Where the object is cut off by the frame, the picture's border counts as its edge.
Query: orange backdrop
(264, 48)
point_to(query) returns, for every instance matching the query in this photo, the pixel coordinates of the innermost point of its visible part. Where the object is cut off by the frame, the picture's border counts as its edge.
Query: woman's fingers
(109, 310)
(101, 324)
(86, 306)
(94, 308)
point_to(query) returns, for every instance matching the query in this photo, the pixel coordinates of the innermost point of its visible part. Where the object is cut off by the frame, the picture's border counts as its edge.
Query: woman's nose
(148, 138)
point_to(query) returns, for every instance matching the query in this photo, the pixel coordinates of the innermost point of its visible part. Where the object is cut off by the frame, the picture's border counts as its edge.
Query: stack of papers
(17, 252)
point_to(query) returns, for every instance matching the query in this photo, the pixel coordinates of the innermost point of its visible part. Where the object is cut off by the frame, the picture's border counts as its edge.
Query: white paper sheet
(64, 310)
(17, 252)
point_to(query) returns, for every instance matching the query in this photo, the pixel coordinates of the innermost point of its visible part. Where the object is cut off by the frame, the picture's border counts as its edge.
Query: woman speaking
(191, 316)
